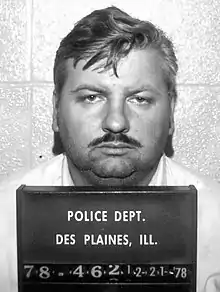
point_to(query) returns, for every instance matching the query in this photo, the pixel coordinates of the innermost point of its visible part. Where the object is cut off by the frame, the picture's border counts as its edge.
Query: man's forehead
(135, 56)
(138, 68)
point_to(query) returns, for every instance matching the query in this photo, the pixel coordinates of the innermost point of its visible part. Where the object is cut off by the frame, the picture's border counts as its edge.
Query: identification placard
(93, 239)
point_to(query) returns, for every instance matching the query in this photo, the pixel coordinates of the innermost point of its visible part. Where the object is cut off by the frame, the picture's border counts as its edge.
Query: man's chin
(114, 179)
(113, 172)
(115, 182)
(114, 175)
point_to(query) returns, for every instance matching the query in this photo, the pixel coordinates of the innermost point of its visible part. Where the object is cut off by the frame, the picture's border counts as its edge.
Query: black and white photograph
(109, 146)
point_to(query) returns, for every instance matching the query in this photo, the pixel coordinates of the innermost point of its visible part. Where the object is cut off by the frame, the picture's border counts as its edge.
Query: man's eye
(141, 100)
(92, 98)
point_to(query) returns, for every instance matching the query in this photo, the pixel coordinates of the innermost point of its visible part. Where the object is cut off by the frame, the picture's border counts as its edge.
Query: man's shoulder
(43, 174)
(178, 174)
(208, 189)
(47, 173)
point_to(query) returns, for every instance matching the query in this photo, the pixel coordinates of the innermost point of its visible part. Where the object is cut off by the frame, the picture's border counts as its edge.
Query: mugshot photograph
(125, 195)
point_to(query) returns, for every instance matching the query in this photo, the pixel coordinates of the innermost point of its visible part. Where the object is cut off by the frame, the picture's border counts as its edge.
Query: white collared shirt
(56, 173)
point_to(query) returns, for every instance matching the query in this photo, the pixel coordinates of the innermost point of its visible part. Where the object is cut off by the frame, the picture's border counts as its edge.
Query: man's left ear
(172, 108)
(55, 125)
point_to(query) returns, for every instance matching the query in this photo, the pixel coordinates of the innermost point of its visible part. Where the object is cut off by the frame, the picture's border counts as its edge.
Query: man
(114, 100)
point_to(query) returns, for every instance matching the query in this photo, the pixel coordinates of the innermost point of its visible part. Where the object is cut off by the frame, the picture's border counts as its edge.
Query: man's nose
(116, 119)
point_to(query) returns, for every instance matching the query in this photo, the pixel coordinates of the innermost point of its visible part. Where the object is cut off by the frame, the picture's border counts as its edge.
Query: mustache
(110, 137)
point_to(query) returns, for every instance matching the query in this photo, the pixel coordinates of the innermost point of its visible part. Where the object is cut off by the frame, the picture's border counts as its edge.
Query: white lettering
(99, 216)
(66, 239)
(106, 239)
(70, 215)
(80, 218)
(127, 216)
(59, 239)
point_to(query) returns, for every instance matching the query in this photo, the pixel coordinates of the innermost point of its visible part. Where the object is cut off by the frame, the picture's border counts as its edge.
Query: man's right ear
(55, 125)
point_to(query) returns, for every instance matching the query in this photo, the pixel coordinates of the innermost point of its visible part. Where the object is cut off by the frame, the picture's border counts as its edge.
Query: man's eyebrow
(146, 87)
(103, 89)
(90, 87)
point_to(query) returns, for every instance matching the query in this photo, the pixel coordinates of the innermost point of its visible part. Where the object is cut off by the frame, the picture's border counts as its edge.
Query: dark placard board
(95, 239)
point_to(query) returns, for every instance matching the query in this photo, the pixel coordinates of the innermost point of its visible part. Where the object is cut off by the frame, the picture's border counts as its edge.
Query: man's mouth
(115, 148)
(115, 145)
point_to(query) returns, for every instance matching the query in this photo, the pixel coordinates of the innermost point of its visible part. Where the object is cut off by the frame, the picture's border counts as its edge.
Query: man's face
(114, 129)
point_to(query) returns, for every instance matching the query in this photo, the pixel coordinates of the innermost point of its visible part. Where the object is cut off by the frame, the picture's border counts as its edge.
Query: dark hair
(108, 35)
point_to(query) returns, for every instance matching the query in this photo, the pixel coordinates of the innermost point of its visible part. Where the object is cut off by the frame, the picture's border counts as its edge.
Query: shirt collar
(66, 179)
(159, 178)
